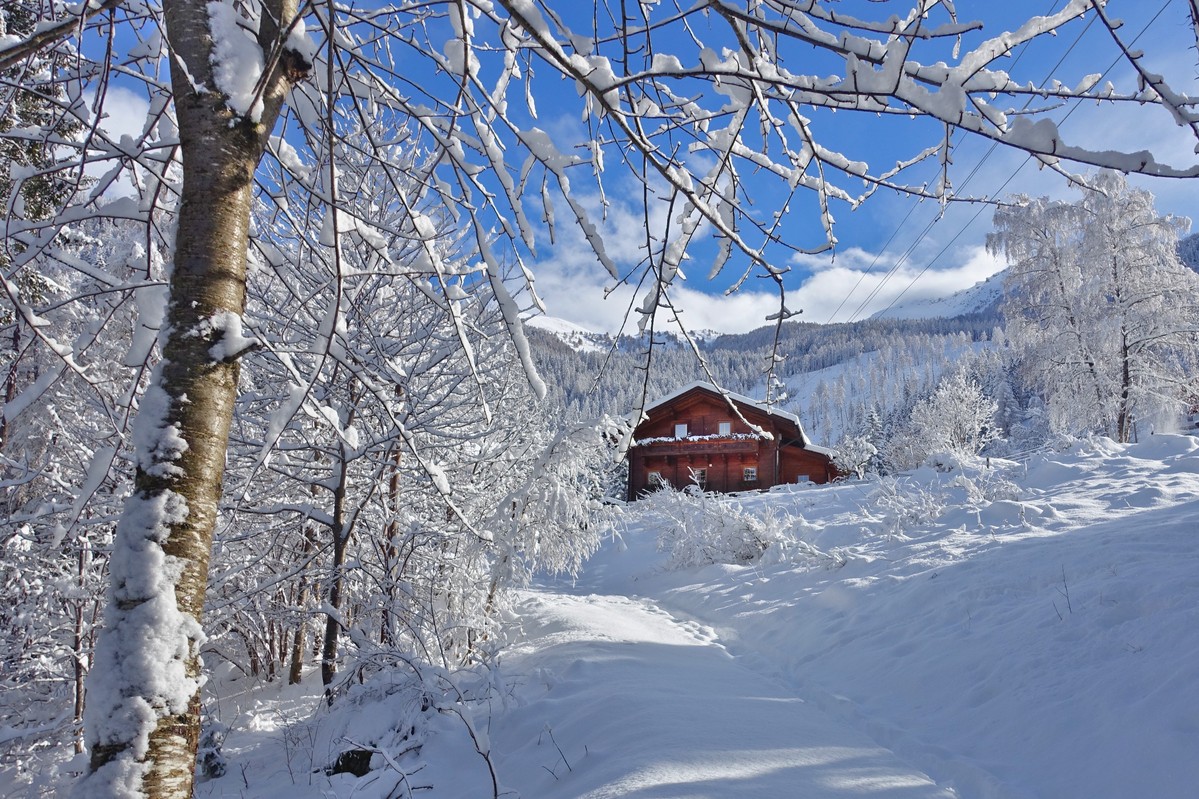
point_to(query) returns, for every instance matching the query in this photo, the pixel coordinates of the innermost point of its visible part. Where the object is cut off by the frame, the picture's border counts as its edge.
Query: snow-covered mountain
(1188, 251)
(582, 339)
(577, 337)
(982, 297)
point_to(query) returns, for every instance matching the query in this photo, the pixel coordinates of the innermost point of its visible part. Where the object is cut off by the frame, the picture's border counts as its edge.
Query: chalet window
(680, 430)
(726, 428)
(656, 480)
(749, 474)
(699, 477)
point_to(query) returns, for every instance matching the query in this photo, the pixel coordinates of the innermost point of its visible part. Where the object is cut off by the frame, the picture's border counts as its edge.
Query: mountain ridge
(981, 298)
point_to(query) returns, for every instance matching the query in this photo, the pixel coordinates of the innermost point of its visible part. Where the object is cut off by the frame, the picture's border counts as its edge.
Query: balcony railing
(685, 446)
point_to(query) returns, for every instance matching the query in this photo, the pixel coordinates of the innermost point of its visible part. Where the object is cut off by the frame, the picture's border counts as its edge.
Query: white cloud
(576, 287)
(854, 258)
(736, 313)
(587, 300)
(124, 118)
(853, 283)
(847, 291)
(125, 113)
(839, 292)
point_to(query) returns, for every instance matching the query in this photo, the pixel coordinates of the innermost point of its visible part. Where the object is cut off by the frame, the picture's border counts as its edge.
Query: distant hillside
(1188, 251)
(981, 298)
(574, 336)
(840, 379)
(590, 374)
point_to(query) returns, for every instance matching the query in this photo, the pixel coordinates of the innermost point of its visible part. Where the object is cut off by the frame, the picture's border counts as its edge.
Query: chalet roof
(743, 401)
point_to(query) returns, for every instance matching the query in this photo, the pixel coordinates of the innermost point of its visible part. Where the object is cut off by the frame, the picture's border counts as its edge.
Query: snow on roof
(741, 399)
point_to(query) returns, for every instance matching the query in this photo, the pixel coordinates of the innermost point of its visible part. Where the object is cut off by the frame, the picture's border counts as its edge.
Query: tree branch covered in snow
(727, 117)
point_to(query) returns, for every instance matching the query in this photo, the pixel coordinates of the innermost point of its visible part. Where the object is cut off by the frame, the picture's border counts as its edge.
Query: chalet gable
(723, 441)
(704, 402)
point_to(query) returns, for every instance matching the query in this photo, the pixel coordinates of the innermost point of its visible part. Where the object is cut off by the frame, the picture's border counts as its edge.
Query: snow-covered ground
(1030, 630)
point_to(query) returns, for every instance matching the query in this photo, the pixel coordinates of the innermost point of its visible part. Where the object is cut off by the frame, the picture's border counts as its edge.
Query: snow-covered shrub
(854, 454)
(957, 418)
(988, 485)
(902, 503)
(947, 480)
(210, 761)
(788, 542)
(697, 529)
(382, 726)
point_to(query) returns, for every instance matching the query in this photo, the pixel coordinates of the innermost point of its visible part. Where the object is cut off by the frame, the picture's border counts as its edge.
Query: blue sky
(894, 247)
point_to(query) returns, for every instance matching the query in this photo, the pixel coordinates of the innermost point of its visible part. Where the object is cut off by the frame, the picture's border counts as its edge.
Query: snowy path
(1042, 643)
(621, 699)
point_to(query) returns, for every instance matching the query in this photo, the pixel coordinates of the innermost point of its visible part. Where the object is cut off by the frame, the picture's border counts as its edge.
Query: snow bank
(1024, 632)
(1038, 645)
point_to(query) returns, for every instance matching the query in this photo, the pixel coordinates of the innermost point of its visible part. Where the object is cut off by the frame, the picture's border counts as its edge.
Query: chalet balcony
(697, 444)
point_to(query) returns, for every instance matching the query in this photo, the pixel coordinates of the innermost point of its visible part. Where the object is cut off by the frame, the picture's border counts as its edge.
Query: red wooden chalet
(695, 436)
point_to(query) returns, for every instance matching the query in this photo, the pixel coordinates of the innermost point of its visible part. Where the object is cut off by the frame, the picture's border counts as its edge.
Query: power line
(1023, 163)
(994, 145)
(912, 208)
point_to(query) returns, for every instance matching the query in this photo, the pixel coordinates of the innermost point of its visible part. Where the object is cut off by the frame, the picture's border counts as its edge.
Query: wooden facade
(694, 436)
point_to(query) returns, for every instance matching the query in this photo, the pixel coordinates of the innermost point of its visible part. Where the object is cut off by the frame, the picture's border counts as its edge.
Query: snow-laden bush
(987, 486)
(957, 418)
(947, 480)
(901, 503)
(854, 455)
(697, 529)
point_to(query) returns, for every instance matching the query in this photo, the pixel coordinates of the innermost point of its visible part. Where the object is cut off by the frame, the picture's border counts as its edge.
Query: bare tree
(1100, 305)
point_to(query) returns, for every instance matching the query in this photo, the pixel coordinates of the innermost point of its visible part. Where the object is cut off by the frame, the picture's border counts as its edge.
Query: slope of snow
(574, 336)
(1041, 643)
(1028, 631)
(982, 297)
(625, 699)
(887, 384)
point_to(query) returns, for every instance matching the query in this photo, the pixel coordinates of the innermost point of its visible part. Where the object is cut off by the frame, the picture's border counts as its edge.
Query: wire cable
(1023, 163)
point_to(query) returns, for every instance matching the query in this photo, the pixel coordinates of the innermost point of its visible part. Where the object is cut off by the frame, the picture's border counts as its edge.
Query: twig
(554, 741)
(1065, 591)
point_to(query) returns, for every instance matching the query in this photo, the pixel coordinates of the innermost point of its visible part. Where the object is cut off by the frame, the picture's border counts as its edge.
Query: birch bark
(144, 710)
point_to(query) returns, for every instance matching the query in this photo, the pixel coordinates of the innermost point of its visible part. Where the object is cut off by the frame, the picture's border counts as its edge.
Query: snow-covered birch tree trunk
(143, 713)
